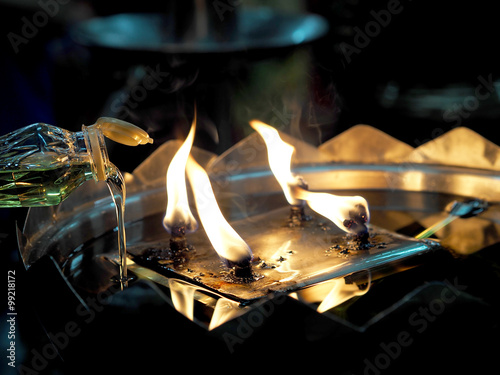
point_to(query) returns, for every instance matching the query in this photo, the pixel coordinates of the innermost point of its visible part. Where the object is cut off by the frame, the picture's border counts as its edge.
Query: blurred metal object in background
(201, 27)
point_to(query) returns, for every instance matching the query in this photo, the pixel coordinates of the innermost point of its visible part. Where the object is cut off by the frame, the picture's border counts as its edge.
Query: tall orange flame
(280, 156)
(226, 242)
(348, 213)
(178, 214)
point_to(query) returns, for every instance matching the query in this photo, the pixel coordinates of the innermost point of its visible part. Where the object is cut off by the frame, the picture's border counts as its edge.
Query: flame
(348, 213)
(280, 156)
(330, 294)
(226, 242)
(178, 213)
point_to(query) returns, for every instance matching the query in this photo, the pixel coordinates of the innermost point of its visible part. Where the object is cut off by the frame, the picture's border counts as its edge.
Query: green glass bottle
(41, 164)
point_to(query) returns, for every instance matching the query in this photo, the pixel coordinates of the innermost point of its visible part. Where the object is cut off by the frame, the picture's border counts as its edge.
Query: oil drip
(116, 186)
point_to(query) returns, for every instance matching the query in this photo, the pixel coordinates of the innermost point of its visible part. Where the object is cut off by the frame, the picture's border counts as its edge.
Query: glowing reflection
(330, 294)
(224, 311)
(282, 257)
(182, 297)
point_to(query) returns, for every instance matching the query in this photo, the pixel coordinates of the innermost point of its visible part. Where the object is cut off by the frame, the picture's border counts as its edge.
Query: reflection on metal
(284, 252)
(314, 253)
(226, 310)
(455, 210)
(331, 293)
(182, 297)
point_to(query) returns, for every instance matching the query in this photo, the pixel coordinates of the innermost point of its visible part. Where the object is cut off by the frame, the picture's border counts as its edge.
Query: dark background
(426, 63)
(431, 55)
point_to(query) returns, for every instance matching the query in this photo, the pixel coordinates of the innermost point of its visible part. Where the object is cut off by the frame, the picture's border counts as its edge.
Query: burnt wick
(178, 241)
(358, 217)
(356, 224)
(176, 255)
(297, 216)
(241, 272)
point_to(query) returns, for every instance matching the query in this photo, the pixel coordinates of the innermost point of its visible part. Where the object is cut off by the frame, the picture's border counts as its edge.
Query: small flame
(226, 242)
(280, 156)
(348, 213)
(178, 214)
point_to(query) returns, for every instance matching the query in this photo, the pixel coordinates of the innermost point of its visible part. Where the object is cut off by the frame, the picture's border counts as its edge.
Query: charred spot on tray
(363, 238)
(155, 254)
(241, 272)
(241, 276)
(262, 264)
(179, 245)
(169, 257)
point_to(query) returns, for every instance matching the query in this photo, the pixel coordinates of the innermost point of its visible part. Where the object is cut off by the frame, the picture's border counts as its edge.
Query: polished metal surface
(82, 228)
(286, 258)
(89, 213)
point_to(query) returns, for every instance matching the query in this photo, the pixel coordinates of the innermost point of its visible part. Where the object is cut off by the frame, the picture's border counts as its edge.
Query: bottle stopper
(117, 130)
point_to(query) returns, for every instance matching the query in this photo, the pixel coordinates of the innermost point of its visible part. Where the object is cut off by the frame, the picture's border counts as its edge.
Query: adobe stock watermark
(251, 321)
(455, 115)
(483, 91)
(418, 321)
(122, 105)
(363, 36)
(221, 7)
(41, 357)
(31, 27)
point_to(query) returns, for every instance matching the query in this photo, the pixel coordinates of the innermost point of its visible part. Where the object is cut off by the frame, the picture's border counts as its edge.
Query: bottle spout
(123, 132)
(117, 130)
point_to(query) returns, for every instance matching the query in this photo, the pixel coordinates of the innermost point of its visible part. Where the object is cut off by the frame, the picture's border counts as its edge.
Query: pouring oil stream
(128, 134)
(116, 186)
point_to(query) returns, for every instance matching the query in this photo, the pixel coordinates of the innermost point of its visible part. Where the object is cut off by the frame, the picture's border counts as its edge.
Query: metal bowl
(259, 28)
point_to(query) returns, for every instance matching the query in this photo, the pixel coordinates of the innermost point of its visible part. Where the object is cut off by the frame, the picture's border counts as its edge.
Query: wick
(363, 238)
(178, 238)
(297, 216)
(241, 271)
(178, 241)
(358, 218)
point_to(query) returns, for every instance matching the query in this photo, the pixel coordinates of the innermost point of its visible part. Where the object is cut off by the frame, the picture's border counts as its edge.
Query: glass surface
(41, 187)
(39, 166)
